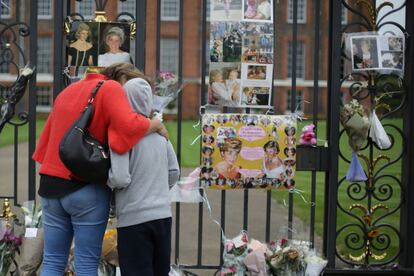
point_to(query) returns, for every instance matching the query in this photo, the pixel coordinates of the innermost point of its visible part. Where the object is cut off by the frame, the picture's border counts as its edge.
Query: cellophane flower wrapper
(9, 245)
(187, 189)
(31, 251)
(109, 247)
(377, 132)
(234, 253)
(355, 171)
(255, 260)
(106, 269)
(286, 257)
(167, 86)
(175, 271)
(314, 264)
(356, 124)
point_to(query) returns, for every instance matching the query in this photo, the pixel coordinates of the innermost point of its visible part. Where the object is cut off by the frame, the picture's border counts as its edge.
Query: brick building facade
(192, 50)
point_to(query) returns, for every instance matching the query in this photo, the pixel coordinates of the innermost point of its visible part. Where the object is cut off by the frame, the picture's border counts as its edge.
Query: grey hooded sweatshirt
(142, 177)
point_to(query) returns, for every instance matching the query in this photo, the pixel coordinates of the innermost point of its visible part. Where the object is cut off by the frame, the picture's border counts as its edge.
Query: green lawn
(190, 155)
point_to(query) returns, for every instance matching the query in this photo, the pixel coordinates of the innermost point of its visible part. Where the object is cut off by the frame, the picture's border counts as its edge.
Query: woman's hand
(157, 126)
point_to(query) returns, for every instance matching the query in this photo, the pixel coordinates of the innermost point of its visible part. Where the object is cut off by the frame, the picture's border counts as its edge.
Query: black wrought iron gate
(396, 195)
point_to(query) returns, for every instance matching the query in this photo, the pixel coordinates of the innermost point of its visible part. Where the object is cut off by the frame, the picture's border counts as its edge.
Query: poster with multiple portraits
(248, 151)
(241, 53)
(377, 52)
(96, 44)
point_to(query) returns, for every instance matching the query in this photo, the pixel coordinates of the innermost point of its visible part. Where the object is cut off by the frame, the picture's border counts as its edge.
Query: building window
(300, 60)
(344, 15)
(169, 55)
(299, 101)
(43, 98)
(301, 11)
(170, 10)
(86, 8)
(44, 9)
(44, 55)
(5, 9)
(127, 6)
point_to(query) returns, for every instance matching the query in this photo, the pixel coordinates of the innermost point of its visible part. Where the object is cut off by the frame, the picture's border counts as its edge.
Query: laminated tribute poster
(241, 53)
(248, 151)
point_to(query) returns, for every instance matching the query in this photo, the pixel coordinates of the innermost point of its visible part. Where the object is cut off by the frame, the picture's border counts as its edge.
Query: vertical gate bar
(245, 209)
(16, 164)
(58, 51)
(407, 209)
(268, 212)
(293, 98)
(269, 192)
(315, 108)
(141, 25)
(158, 37)
(32, 100)
(223, 223)
(202, 102)
(179, 119)
(331, 176)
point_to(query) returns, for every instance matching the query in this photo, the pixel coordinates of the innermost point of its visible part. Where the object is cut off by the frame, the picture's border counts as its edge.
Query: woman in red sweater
(72, 208)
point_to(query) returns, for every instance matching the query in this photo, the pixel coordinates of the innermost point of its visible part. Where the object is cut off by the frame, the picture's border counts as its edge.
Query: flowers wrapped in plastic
(109, 247)
(167, 86)
(377, 132)
(255, 261)
(235, 250)
(286, 258)
(356, 124)
(9, 245)
(31, 252)
(314, 264)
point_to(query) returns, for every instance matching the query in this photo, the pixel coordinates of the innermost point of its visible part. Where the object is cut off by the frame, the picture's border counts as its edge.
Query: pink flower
(229, 246)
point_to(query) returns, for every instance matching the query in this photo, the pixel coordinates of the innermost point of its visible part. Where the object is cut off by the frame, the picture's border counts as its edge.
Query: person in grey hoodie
(141, 180)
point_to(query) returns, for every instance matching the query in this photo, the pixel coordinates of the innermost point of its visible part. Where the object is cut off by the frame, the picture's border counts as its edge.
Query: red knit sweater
(113, 122)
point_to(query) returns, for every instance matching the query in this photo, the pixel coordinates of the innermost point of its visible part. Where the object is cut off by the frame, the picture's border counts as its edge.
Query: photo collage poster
(248, 151)
(241, 53)
(377, 52)
(96, 44)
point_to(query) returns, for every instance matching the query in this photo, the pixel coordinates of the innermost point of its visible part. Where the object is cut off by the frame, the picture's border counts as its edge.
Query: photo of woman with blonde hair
(229, 153)
(80, 52)
(114, 38)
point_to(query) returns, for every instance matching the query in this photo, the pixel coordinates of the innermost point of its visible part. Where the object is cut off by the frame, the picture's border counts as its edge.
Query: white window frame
(49, 56)
(297, 61)
(77, 5)
(162, 51)
(299, 106)
(9, 8)
(45, 16)
(41, 92)
(300, 20)
(124, 6)
(170, 18)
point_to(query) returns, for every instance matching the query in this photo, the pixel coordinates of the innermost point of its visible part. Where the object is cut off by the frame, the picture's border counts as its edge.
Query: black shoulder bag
(83, 155)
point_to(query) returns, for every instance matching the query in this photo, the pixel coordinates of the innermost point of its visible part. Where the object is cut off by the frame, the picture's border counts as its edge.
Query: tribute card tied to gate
(248, 151)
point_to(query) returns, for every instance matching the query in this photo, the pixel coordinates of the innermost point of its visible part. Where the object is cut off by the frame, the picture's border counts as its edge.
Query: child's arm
(173, 168)
(119, 176)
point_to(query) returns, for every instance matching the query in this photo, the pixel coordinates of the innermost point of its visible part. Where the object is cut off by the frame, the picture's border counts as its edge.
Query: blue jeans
(83, 215)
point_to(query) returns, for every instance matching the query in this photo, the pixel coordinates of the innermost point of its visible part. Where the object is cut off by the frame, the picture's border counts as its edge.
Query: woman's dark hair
(289, 128)
(123, 72)
(272, 144)
(289, 149)
(208, 137)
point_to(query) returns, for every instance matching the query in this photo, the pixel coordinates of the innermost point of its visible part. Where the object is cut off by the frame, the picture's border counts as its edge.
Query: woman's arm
(119, 176)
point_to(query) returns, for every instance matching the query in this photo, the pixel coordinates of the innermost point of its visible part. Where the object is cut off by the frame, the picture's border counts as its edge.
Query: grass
(7, 134)
(190, 155)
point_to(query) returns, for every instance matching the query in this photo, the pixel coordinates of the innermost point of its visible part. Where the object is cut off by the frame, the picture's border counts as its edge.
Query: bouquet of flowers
(31, 252)
(235, 251)
(286, 258)
(167, 86)
(314, 264)
(356, 124)
(9, 245)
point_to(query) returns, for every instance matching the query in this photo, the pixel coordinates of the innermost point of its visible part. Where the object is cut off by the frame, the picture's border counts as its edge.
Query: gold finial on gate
(133, 31)
(7, 213)
(100, 16)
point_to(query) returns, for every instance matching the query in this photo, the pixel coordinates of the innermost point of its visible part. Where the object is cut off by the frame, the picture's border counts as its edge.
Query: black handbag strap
(94, 91)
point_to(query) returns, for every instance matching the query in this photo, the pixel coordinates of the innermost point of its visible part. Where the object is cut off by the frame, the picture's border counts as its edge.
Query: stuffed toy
(308, 135)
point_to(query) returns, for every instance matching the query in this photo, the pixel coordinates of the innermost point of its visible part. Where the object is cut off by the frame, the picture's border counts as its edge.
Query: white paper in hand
(30, 233)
